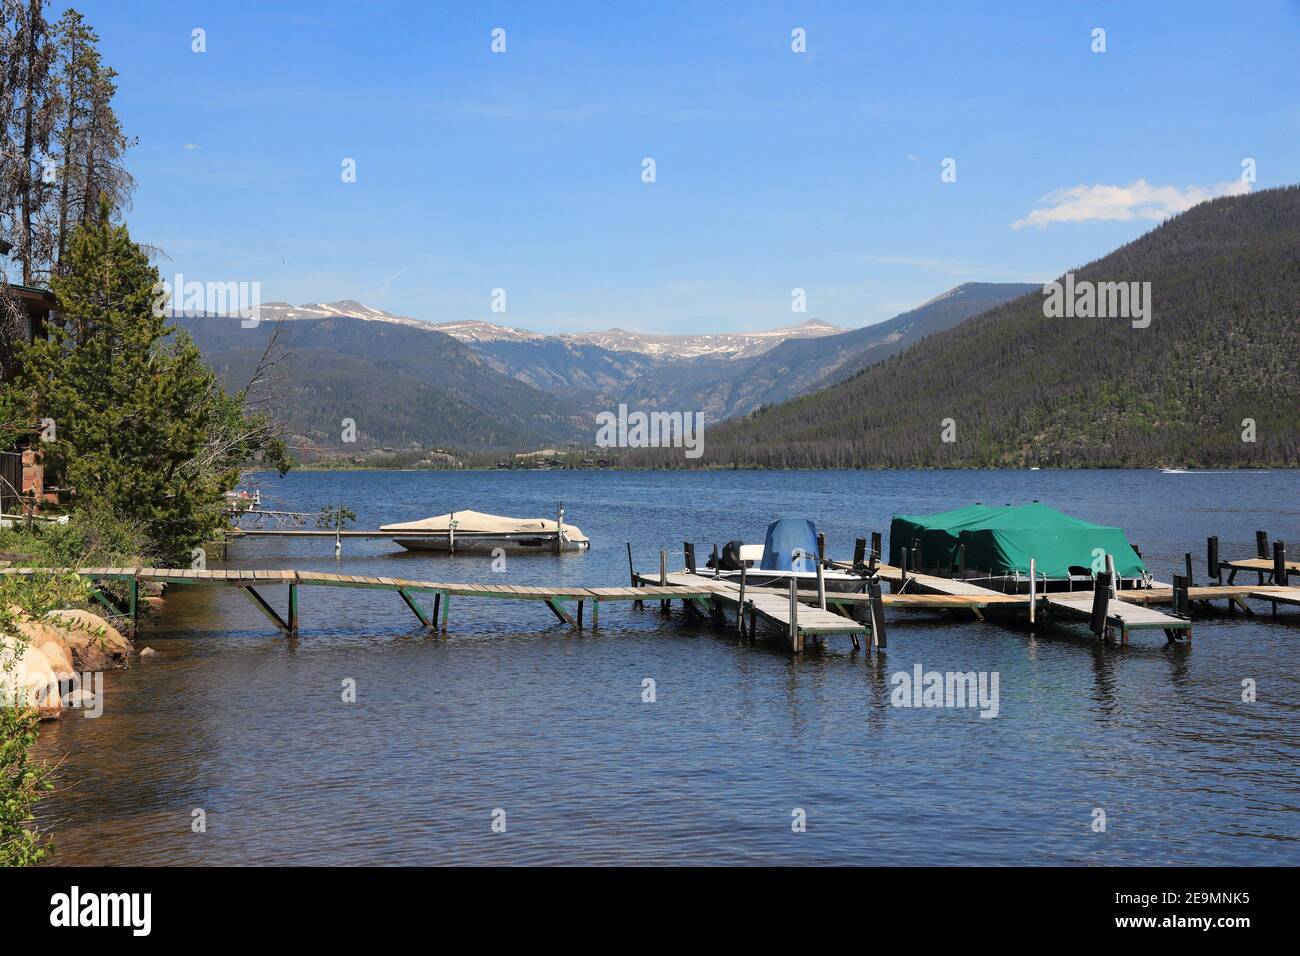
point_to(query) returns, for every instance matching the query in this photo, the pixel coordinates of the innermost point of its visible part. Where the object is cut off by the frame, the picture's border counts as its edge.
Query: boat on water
(460, 531)
(995, 547)
(789, 551)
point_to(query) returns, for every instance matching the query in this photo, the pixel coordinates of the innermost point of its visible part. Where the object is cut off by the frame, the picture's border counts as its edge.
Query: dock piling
(631, 570)
(740, 604)
(1033, 589)
(878, 638)
(859, 552)
(664, 606)
(875, 546)
(1100, 604)
(1212, 558)
(1182, 606)
(796, 640)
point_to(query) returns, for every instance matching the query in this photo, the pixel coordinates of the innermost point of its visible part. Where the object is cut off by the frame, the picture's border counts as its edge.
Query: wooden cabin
(21, 472)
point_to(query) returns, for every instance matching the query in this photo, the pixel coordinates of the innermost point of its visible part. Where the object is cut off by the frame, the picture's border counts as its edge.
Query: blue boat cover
(785, 536)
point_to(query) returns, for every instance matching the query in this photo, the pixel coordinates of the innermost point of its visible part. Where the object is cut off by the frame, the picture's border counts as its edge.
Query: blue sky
(774, 170)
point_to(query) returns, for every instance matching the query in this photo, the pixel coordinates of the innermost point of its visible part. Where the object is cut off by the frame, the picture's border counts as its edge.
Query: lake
(513, 712)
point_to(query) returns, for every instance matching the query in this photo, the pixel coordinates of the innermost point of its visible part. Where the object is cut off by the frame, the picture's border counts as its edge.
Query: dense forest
(1215, 368)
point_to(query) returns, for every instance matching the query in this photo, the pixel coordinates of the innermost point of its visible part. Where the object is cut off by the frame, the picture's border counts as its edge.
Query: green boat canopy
(1003, 540)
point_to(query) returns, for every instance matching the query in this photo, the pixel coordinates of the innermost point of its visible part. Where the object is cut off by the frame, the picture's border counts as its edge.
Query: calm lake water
(513, 711)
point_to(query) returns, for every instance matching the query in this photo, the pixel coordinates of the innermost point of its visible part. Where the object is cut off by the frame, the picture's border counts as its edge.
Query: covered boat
(788, 551)
(1000, 542)
(476, 531)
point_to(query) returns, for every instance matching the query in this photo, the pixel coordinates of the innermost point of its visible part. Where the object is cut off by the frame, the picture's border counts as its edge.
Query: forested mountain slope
(401, 384)
(1021, 388)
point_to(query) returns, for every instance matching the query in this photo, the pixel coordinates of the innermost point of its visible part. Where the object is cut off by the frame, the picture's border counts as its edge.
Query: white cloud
(191, 145)
(1138, 200)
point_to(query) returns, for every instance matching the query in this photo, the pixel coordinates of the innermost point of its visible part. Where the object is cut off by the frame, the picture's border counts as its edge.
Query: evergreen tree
(134, 407)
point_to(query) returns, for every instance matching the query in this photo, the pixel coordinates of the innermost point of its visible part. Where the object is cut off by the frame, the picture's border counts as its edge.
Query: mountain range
(476, 385)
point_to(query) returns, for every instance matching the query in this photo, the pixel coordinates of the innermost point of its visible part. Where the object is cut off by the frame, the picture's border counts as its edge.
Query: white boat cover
(476, 522)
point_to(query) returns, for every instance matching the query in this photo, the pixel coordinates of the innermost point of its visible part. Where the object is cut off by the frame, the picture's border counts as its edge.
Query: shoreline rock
(94, 644)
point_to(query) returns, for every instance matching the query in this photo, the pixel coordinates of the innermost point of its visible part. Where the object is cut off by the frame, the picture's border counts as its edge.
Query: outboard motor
(730, 560)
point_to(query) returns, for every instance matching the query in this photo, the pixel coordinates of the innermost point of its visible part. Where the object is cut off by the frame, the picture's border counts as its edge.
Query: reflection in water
(513, 711)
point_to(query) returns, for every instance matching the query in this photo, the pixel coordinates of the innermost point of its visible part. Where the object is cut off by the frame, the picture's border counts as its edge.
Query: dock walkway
(567, 603)
(772, 605)
(1121, 614)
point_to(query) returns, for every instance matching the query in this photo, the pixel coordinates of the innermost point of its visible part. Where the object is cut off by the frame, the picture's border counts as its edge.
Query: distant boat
(477, 531)
(1034, 468)
(1173, 471)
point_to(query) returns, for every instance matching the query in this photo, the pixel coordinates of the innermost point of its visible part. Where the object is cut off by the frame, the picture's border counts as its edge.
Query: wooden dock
(1121, 614)
(770, 605)
(799, 616)
(567, 603)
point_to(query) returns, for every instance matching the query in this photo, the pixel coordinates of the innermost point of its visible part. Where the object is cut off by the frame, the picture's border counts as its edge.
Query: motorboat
(459, 531)
(789, 551)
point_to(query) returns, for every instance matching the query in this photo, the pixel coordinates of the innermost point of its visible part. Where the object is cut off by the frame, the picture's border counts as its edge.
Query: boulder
(79, 699)
(28, 678)
(95, 644)
(148, 652)
(50, 642)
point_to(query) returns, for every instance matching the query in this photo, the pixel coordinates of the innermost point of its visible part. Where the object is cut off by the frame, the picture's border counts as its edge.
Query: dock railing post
(717, 570)
(1212, 558)
(559, 526)
(689, 550)
(1261, 544)
(1188, 559)
(796, 645)
(859, 552)
(1279, 565)
(740, 605)
(961, 562)
(875, 546)
(1100, 603)
(821, 587)
(663, 580)
(1033, 588)
(821, 546)
(902, 570)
